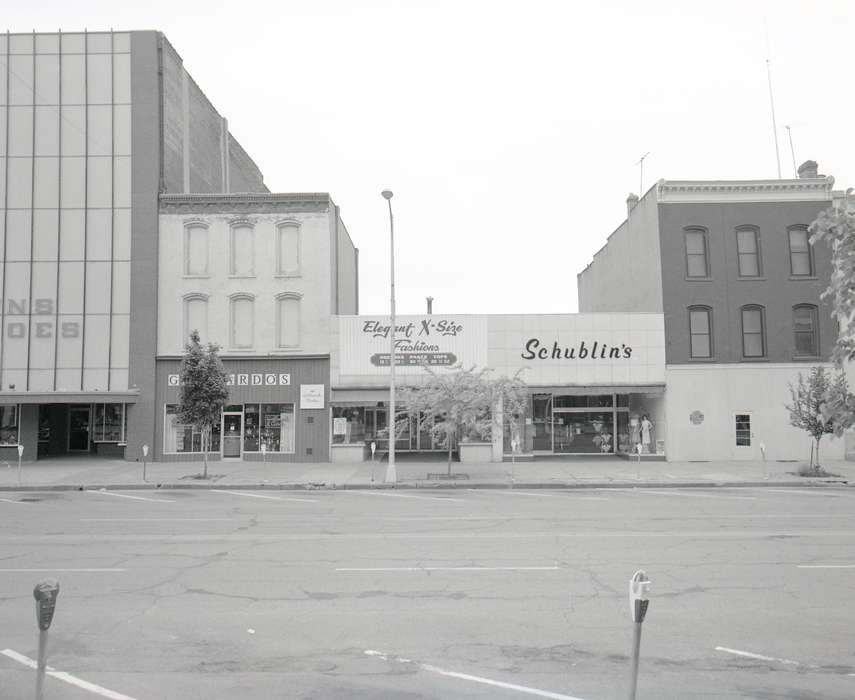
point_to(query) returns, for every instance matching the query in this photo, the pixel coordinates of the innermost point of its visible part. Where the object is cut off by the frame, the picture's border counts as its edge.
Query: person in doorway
(646, 428)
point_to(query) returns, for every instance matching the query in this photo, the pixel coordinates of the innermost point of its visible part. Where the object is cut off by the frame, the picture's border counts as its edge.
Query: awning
(588, 389)
(42, 397)
(358, 397)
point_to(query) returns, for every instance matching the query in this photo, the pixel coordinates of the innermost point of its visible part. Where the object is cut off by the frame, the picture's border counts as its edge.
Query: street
(410, 594)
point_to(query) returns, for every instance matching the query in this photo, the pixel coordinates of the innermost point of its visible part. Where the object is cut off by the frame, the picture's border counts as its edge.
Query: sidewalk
(76, 473)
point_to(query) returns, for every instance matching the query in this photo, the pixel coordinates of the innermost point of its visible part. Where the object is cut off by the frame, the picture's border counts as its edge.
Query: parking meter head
(20, 450)
(145, 450)
(45, 593)
(639, 591)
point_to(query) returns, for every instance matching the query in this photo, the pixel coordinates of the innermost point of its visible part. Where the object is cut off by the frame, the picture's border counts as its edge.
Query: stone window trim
(236, 223)
(764, 351)
(709, 312)
(233, 298)
(801, 228)
(706, 252)
(185, 321)
(279, 299)
(757, 251)
(280, 225)
(188, 225)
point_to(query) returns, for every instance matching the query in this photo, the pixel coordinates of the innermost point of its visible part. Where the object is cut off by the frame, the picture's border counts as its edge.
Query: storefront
(277, 412)
(595, 382)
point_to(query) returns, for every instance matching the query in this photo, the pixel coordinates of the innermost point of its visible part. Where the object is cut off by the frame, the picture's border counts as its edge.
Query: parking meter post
(20, 455)
(639, 588)
(373, 450)
(144, 460)
(45, 593)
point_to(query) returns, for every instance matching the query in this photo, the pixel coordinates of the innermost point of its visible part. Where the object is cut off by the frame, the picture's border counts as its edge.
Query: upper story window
(242, 319)
(753, 331)
(801, 258)
(196, 250)
(806, 330)
(697, 264)
(748, 251)
(242, 250)
(195, 316)
(288, 249)
(700, 331)
(288, 320)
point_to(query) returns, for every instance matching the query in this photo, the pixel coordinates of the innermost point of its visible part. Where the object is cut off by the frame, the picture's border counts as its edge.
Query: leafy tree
(460, 404)
(822, 405)
(204, 391)
(836, 225)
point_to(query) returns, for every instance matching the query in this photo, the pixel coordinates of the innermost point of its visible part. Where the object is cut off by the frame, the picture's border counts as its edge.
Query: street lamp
(391, 473)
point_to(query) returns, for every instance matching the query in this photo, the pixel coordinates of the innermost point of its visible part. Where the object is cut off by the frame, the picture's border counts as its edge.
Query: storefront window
(269, 424)
(180, 438)
(348, 425)
(110, 421)
(594, 401)
(8, 424)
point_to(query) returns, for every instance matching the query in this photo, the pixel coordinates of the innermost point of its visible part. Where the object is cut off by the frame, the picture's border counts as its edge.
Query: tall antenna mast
(792, 150)
(640, 163)
(772, 99)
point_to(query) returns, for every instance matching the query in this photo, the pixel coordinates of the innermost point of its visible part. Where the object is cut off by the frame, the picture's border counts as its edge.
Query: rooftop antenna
(772, 98)
(792, 150)
(640, 164)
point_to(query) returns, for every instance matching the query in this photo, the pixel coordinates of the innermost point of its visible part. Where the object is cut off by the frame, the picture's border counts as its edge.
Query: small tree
(819, 406)
(204, 391)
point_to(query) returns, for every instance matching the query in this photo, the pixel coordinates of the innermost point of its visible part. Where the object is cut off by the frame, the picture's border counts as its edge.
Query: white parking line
(805, 493)
(20, 503)
(404, 495)
(652, 492)
(270, 498)
(826, 566)
(135, 498)
(450, 568)
(761, 657)
(158, 520)
(469, 677)
(87, 571)
(66, 677)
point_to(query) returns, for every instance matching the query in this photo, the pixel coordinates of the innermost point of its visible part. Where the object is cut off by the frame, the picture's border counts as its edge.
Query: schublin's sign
(537, 350)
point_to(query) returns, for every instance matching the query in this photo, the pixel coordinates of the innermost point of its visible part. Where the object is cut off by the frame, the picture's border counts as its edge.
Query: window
(195, 316)
(700, 331)
(743, 429)
(696, 253)
(348, 425)
(8, 424)
(805, 329)
(288, 250)
(110, 422)
(180, 438)
(243, 250)
(269, 424)
(196, 250)
(801, 261)
(242, 321)
(748, 251)
(753, 332)
(288, 320)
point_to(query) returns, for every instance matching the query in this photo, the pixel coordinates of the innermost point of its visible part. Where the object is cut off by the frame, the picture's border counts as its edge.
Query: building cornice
(244, 203)
(730, 191)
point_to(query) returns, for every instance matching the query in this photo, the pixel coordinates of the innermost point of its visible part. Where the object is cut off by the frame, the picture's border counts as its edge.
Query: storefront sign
(42, 327)
(339, 426)
(536, 350)
(244, 379)
(696, 417)
(312, 395)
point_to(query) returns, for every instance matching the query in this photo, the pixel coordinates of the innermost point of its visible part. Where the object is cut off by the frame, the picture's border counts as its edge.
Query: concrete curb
(417, 485)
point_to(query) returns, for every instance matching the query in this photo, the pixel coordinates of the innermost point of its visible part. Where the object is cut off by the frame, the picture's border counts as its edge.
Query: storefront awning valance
(43, 397)
(589, 389)
(358, 397)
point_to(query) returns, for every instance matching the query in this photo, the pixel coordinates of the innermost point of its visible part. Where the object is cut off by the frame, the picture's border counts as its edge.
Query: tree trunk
(818, 466)
(449, 453)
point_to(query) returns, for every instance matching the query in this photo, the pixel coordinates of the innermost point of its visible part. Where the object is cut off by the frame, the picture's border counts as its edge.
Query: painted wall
(720, 390)
(347, 270)
(626, 274)
(726, 292)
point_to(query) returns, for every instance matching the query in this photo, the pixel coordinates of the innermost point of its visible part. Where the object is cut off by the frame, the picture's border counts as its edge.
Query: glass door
(542, 422)
(78, 428)
(232, 435)
(743, 436)
(584, 432)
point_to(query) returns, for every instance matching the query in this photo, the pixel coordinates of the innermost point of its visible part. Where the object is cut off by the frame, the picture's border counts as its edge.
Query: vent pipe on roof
(631, 201)
(430, 305)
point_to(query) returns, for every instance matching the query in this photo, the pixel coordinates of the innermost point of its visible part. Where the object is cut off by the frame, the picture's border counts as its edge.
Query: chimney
(631, 201)
(430, 305)
(808, 169)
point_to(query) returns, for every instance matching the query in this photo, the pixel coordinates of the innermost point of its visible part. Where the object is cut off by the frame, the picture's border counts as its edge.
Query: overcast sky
(509, 132)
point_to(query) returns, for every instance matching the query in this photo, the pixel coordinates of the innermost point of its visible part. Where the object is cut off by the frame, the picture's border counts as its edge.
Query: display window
(270, 425)
(179, 438)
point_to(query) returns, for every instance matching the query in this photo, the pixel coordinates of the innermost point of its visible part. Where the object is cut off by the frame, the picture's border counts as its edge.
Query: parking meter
(639, 589)
(20, 454)
(144, 460)
(373, 449)
(45, 593)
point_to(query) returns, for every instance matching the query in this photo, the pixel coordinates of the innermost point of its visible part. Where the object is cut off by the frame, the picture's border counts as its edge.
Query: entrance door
(78, 428)
(743, 436)
(232, 435)
(542, 422)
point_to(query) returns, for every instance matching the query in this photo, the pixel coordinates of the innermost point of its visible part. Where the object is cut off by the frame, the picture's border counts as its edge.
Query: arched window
(195, 316)
(801, 255)
(753, 331)
(697, 252)
(806, 330)
(242, 321)
(748, 251)
(288, 249)
(242, 249)
(288, 320)
(196, 249)
(700, 332)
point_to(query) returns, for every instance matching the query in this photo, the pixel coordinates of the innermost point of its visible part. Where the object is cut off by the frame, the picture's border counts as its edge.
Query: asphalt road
(425, 594)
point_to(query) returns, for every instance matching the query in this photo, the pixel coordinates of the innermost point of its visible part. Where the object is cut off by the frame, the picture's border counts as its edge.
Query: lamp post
(391, 473)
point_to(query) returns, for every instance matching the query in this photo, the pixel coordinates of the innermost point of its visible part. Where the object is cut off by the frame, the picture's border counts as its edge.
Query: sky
(509, 132)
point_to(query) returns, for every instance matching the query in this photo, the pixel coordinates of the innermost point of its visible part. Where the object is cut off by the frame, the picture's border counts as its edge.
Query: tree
(822, 405)
(836, 225)
(461, 404)
(204, 391)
